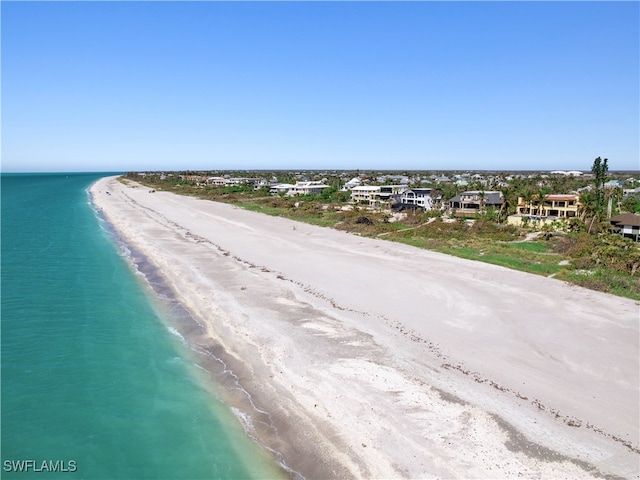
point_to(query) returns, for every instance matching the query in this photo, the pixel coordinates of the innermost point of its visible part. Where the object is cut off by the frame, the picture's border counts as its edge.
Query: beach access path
(372, 359)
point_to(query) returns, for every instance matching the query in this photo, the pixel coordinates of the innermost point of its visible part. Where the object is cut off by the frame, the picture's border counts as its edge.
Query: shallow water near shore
(92, 377)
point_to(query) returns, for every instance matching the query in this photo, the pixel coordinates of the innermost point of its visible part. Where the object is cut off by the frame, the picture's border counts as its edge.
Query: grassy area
(260, 208)
(507, 256)
(537, 247)
(606, 280)
(527, 257)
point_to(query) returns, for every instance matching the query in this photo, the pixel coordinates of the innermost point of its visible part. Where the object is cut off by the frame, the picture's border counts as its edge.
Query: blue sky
(121, 86)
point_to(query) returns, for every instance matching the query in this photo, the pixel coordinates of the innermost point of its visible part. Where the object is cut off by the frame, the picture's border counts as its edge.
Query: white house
(417, 197)
(373, 194)
(391, 193)
(628, 192)
(217, 181)
(354, 182)
(280, 188)
(307, 188)
(300, 188)
(365, 194)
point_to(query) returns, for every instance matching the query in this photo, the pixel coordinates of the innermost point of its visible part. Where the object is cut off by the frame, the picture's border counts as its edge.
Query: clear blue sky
(112, 86)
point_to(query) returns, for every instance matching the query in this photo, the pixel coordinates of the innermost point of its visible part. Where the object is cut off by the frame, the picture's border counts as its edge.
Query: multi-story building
(307, 188)
(469, 204)
(376, 194)
(300, 188)
(416, 198)
(556, 206)
(628, 225)
(365, 194)
(217, 181)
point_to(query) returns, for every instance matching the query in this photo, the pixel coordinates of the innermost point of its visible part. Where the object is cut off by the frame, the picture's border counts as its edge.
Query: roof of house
(613, 183)
(424, 191)
(561, 197)
(631, 219)
(310, 184)
(494, 198)
(490, 197)
(563, 172)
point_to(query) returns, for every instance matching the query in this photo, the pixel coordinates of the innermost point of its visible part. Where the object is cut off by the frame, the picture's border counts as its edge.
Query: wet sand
(364, 358)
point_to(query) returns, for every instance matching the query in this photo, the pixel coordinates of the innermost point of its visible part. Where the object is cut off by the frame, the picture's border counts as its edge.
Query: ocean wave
(176, 333)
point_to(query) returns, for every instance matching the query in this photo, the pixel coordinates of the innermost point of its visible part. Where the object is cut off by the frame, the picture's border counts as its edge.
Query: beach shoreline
(367, 359)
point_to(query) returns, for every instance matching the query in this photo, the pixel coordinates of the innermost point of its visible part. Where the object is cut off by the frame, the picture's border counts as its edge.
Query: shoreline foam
(379, 360)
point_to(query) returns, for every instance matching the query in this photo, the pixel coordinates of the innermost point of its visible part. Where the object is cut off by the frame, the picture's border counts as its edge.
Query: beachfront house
(471, 203)
(307, 188)
(415, 198)
(391, 193)
(300, 188)
(365, 194)
(377, 194)
(558, 206)
(627, 225)
(551, 208)
(280, 189)
(216, 181)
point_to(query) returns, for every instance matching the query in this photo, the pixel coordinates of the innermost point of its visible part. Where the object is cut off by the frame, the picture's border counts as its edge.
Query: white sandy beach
(377, 360)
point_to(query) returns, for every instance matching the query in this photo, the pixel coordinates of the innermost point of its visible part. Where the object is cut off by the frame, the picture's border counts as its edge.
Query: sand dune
(370, 359)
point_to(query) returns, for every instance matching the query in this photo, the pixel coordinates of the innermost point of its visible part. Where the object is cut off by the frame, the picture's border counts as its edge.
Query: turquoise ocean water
(94, 384)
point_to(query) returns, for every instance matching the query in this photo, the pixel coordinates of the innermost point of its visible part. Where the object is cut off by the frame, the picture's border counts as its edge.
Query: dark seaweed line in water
(411, 334)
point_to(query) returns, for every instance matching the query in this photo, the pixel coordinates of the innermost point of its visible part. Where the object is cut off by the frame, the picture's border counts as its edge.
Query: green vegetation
(631, 204)
(599, 170)
(582, 251)
(259, 207)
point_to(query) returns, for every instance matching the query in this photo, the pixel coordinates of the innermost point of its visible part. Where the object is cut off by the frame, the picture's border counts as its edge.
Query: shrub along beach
(364, 358)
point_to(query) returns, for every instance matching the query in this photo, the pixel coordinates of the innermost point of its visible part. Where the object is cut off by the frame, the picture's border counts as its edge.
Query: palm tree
(482, 200)
(588, 210)
(509, 200)
(612, 194)
(527, 196)
(587, 206)
(542, 193)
